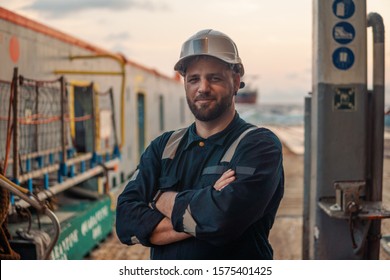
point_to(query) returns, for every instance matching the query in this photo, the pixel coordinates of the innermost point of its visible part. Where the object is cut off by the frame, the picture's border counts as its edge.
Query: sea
(272, 114)
(278, 114)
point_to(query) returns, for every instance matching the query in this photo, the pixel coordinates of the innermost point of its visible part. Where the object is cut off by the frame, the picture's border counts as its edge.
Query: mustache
(203, 96)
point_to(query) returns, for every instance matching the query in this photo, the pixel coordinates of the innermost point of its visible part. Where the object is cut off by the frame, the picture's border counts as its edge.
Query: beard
(206, 112)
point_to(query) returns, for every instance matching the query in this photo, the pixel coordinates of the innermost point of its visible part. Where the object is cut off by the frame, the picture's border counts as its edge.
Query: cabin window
(141, 122)
(182, 111)
(162, 116)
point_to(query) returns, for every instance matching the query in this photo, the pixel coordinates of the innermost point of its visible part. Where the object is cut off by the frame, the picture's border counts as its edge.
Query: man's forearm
(165, 203)
(165, 234)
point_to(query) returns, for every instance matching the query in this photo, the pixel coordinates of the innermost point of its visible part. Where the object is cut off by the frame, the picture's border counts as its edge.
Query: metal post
(36, 112)
(113, 116)
(95, 124)
(63, 167)
(375, 21)
(339, 112)
(306, 189)
(15, 165)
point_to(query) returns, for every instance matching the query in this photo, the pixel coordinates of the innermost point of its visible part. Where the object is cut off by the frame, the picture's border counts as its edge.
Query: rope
(40, 83)
(102, 93)
(6, 252)
(41, 119)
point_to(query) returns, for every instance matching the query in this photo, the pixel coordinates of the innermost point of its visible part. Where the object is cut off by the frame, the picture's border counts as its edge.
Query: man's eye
(215, 78)
(192, 80)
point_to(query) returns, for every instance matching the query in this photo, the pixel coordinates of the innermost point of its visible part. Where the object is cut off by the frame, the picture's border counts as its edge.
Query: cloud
(292, 76)
(118, 36)
(118, 42)
(121, 48)
(57, 8)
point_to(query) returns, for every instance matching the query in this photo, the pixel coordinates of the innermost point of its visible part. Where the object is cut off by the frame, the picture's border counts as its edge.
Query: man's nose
(204, 85)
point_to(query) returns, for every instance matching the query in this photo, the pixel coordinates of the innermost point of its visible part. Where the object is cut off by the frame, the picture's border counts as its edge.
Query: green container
(84, 230)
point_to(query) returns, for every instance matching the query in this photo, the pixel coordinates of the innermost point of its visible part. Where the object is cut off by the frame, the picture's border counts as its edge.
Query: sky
(274, 38)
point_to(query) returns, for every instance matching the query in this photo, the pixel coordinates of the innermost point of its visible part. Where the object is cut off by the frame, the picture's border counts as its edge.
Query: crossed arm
(164, 233)
(253, 189)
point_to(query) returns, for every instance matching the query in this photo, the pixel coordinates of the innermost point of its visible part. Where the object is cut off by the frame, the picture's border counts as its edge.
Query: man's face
(210, 86)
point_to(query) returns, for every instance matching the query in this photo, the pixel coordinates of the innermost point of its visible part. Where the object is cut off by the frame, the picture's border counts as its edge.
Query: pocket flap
(168, 183)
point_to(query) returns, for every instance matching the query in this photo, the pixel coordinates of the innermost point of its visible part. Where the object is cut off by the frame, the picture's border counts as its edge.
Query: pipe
(375, 21)
(63, 126)
(36, 154)
(15, 104)
(113, 116)
(70, 182)
(88, 72)
(57, 230)
(7, 184)
(306, 189)
(52, 168)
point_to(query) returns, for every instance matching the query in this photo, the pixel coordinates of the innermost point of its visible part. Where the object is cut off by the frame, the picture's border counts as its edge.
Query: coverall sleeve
(219, 217)
(135, 220)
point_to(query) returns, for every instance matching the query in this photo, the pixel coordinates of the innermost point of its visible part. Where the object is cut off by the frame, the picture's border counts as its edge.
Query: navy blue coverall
(230, 224)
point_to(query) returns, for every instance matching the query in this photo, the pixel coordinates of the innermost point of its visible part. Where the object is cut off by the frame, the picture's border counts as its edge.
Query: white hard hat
(211, 43)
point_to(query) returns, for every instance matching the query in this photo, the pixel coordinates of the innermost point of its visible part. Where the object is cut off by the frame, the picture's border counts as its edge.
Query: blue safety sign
(343, 8)
(343, 32)
(343, 58)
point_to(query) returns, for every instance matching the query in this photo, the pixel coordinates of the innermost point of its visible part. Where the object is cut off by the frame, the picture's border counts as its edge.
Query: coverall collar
(218, 138)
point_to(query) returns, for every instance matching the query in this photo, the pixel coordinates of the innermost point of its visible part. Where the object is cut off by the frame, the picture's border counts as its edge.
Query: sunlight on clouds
(274, 38)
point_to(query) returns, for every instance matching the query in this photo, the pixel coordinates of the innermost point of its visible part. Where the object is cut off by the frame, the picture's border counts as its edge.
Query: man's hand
(225, 180)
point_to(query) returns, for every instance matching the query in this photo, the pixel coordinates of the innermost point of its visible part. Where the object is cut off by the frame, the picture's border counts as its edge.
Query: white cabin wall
(41, 55)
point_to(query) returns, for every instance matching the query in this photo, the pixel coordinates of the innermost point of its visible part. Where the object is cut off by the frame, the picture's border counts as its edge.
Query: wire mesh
(39, 117)
(44, 129)
(5, 89)
(106, 123)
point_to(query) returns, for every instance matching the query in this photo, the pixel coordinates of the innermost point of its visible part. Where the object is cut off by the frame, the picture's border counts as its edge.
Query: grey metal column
(306, 182)
(338, 142)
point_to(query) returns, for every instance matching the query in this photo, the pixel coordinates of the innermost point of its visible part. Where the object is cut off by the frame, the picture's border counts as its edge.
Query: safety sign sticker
(343, 8)
(343, 58)
(344, 99)
(343, 32)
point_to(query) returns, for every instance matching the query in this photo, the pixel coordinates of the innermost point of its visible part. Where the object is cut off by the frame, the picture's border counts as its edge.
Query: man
(210, 191)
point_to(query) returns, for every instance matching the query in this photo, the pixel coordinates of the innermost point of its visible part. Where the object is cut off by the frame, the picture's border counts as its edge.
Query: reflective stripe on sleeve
(134, 177)
(220, 169)
(189, 223)
(244, 170)
(217, 169)
(134, 240)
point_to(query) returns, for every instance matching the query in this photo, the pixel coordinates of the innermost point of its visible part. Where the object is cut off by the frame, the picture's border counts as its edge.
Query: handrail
(71, 182)
(52, 168)
(16, 190)
(375, 21)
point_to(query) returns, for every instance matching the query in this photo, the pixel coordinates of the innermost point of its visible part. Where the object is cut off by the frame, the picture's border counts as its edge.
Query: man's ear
(237, 82)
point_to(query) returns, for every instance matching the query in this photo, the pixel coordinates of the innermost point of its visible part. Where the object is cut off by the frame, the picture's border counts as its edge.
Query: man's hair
(236, 68)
